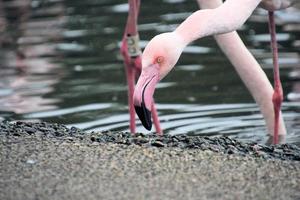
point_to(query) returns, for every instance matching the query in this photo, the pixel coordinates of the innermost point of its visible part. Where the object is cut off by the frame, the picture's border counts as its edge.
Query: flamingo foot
(277, 101)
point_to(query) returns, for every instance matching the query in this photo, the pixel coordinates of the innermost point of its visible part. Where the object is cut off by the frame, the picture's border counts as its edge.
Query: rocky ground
(50, 161)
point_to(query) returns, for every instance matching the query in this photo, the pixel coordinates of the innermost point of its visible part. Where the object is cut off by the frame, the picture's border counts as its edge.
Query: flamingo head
(159, 57)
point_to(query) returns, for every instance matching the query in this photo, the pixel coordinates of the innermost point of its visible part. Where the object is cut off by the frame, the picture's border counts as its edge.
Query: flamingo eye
(159, 59)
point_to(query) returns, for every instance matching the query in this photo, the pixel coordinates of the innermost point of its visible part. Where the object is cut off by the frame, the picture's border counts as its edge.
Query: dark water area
(60, 62)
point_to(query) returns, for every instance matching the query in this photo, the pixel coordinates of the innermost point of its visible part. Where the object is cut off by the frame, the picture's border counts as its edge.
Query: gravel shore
(50, 161)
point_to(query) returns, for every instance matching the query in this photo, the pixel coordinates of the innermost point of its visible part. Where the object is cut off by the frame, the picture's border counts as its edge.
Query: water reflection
(60, 62)
(27, 70)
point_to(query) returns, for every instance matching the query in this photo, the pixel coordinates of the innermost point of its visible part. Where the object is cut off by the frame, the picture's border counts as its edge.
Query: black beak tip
(144, 115)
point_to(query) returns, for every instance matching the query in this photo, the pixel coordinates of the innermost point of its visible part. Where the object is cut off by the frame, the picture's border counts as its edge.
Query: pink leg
(156, 120)
(278, 92)
(130, 76)
(129, 59)
(131, 82)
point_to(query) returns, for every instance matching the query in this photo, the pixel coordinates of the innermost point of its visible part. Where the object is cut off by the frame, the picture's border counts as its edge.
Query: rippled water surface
(60, 62)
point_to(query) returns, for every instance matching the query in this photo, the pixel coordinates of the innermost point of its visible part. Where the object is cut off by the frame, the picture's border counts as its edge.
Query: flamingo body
(220, 20)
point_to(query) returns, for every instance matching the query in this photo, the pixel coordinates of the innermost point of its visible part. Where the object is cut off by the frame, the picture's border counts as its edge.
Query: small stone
(58, 133)
(30, 161)
(279, 151)
(93, 139)
(73, 129)
(203, 147)
(16, 134)
(262, 154)
(18, 123)
(70, 138)
(140, 140)
(158, 144)
(268, 148)
(231, 150)
(29, 130)
(43, 129)
(214, 148)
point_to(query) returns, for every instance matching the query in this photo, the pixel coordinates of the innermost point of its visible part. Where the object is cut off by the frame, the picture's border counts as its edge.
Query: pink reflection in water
(26, 67)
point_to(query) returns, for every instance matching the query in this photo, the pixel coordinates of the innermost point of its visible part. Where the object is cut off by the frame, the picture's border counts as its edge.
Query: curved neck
(226, 18)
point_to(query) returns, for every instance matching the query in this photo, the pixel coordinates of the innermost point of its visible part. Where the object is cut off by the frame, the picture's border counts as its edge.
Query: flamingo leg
(132, 60)
(130, 74)
(156, 120)
(278, 92)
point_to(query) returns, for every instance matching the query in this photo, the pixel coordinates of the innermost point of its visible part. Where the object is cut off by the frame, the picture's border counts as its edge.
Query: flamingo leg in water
(156, 120)
(132, 60)
(278, 92)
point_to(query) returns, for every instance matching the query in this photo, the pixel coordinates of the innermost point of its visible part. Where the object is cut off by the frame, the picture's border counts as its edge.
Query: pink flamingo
(132, 59)
(221, 20)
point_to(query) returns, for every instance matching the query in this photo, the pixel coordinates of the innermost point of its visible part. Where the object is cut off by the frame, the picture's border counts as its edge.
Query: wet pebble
(93, 139)
(231, 150)
(220, 144)
(140, 140)
(158, 144)
(29, 130)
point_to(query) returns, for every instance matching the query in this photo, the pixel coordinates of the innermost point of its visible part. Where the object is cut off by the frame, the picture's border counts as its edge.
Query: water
(60, 62)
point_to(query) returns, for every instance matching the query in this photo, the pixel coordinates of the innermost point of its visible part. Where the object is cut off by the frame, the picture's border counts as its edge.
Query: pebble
(221, 144)
(158, 144)
(30, 161)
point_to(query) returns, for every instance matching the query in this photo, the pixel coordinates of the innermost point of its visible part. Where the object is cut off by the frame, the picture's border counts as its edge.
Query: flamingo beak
(143, 94)
(144, 115)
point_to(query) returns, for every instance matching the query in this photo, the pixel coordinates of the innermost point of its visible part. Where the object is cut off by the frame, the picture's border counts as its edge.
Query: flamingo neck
(224, 19)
